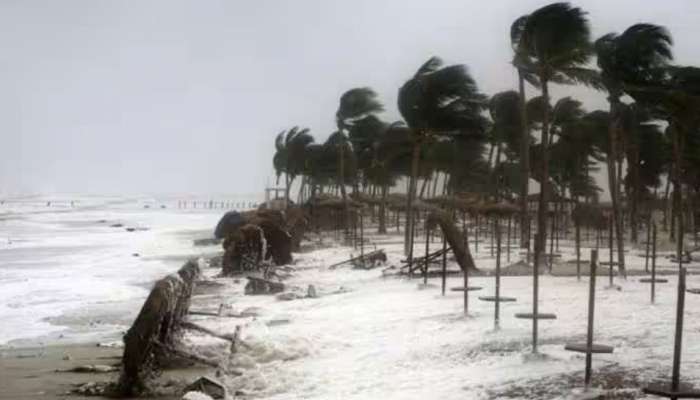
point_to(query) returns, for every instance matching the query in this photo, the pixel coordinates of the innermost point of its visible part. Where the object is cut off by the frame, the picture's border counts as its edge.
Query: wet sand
(37, 372)
(31, 373)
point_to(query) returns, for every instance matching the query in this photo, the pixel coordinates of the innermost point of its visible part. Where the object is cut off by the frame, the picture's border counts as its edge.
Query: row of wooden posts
(216, 205)
(673, 390)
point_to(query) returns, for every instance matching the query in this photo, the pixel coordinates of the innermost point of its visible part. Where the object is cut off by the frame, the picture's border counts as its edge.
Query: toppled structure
(255, 237)
(155, 331)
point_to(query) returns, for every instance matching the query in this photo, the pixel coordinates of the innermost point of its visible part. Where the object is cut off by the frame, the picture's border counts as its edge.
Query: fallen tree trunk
(458, 243)
(154, 329)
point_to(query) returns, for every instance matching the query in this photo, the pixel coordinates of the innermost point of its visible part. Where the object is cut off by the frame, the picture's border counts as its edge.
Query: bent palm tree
(437, 100)
(290, 155)
(355, 104)
(635, 58)
(556, 38)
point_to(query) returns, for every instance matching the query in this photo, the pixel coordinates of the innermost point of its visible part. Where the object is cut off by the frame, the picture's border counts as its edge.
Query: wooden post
(610, 245)
(591, 314)
(508, 240)
(653, 265)
(678, 341)
(496, 319)
(578, 248)
(476, 234)
(529, 239)
(535, 295)
(444, 263)
(466, 291)
(550, 260)
(362, 239)
(492, 232)
(646, 254)
(427, 252)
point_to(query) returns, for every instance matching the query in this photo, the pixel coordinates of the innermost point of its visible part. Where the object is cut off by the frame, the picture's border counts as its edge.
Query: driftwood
(155, 328)
(454, 238)
(372, 257)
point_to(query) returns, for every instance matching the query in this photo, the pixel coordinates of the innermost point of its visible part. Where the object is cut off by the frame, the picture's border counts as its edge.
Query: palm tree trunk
(288, 183)
(524, 162)
(422, 187)
(408, 242)
(677, 188)
(496, 172)
(382, 210)
(341, 184)
(612, 178)
(541, 241)
(636, 193)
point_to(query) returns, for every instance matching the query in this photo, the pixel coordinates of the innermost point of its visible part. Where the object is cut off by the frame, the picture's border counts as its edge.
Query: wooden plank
(531, 316)
(650, 280)
(468, 289)
(493, 298)
(583, 348)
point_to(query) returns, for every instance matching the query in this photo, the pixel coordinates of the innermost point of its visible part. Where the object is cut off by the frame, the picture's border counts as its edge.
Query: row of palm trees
(448, 124)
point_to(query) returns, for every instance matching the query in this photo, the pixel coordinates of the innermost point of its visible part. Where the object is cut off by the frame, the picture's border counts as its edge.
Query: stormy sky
(186, 96)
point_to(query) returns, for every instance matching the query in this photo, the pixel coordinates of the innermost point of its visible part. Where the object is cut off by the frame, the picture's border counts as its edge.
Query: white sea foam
(73, 271)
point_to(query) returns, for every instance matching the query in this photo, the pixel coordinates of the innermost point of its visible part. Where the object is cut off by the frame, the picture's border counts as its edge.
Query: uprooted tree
(153, 335)
(261, 235)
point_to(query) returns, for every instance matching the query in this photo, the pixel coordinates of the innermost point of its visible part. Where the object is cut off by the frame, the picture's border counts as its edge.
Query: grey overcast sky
(186, 96)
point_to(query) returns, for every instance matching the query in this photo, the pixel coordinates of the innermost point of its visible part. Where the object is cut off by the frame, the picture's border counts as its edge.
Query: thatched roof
(552, 196)
(365, 198)
(456, 202)
(335, 203)
(500, 208)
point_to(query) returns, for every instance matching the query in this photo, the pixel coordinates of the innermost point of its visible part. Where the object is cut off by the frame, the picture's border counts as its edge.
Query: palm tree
(556, 39)
(437, 100)
(677, 98)
(524, 65)
(290, 155)
(354, 104)
(506, 131)
(634, 57)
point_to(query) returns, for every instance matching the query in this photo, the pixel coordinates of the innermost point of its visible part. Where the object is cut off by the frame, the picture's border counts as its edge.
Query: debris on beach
(209, 386)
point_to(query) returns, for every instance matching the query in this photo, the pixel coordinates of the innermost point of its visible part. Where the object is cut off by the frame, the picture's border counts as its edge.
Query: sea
(76, 268)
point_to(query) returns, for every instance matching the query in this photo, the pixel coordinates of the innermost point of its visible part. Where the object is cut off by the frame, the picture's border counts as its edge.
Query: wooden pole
(591, 314)
(362, 239)
(610, 245)
(529, 238)
(653, 265)
(678, 341)
(444, 263)
(476, 234)
(492, 235)
(427, 253)
(535, 289)
(508, 240)
(648, 246)
(578, 249)
(496, 319)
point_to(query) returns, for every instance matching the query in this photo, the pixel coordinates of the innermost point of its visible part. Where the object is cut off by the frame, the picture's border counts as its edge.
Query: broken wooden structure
(155, 330)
